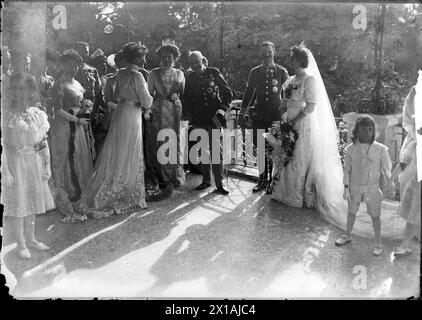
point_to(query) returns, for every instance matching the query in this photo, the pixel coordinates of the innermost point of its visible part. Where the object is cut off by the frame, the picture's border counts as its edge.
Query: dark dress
(166, 88)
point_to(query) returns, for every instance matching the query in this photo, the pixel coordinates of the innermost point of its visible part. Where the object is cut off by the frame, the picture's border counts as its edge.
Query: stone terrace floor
(200, 244)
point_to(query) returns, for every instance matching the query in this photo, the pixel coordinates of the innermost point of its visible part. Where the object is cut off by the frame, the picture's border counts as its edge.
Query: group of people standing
(98, 139)
(315, 176)
(85, 142)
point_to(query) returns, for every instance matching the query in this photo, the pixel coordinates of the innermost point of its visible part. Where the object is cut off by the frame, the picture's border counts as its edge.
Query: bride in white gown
(314, 176)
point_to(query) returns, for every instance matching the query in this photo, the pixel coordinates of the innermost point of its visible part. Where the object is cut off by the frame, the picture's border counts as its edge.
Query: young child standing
(364, 162)
(25, 163)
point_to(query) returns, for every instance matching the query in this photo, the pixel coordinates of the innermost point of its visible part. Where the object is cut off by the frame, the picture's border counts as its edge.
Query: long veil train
(327, 171)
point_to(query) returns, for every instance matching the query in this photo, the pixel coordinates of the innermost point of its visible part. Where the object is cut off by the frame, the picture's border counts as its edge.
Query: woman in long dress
(72, 161)
(410, 187)
(166, 84)
(25, 163)
(314, 176)
(292, 184)
(117, 183)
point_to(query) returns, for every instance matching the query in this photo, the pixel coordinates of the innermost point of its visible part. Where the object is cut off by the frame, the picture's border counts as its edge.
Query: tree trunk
(222, 37)
(378, 56)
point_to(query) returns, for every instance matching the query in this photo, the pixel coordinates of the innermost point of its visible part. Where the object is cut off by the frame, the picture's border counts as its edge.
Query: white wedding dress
(325, 171)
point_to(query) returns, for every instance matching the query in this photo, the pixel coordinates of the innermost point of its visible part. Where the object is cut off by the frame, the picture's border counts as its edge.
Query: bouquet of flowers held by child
(282, 138)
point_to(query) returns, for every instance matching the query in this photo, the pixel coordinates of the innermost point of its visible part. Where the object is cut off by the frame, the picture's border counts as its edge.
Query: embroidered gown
(117, 183)
(163, 84)
(410, 187)
(29, 193)
(291, 185)
(71, 157)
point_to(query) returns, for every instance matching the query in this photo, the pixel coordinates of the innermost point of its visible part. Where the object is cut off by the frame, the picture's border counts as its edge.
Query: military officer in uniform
(183, 62)
(263, 94)
(206, 100)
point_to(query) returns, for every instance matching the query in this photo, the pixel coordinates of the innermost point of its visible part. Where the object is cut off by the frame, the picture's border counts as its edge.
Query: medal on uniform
(274, 82)
(212, 83)
(214, 94)
(275, 89)
(209, 90)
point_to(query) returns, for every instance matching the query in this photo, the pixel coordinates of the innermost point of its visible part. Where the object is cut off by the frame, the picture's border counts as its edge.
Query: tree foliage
(345, 55)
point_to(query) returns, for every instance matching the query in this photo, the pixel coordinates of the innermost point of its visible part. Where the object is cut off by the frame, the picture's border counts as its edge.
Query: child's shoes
(24, 254)
(401, 252)
(377, 250)
(39, 246)
(343, 240)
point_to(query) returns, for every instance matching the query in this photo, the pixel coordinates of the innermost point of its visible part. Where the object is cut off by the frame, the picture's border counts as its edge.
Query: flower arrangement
(282, 137)
(289, 90)
(176, 100)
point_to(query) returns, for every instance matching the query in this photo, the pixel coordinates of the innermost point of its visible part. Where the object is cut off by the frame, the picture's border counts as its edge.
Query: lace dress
(291, 185)
(71, 145)
(117, 183)
(163, 84)
(29, 193)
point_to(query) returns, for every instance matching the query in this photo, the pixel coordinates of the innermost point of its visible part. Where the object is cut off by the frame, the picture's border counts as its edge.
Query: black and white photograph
(211, 150)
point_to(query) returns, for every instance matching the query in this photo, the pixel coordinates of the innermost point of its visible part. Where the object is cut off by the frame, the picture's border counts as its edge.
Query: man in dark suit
(263, 94)
(206, 100)
(184, 65)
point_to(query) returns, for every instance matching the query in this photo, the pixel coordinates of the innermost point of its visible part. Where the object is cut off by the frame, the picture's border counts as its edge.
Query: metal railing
(243, 138)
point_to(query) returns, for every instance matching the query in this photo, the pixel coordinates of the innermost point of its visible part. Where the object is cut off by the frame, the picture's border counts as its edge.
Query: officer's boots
(262, 183)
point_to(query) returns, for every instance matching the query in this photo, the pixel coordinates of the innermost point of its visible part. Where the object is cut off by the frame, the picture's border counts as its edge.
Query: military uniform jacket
(264, 86)
(205, 93)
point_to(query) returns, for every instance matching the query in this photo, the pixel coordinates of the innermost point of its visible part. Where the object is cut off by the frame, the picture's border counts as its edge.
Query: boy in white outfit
(364, 162)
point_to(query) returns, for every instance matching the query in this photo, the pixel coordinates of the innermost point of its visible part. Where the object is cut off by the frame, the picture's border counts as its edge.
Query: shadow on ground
(199, 244)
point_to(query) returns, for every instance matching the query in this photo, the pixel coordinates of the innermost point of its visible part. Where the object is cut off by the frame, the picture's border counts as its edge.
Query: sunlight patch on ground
(125, 276)
(184, 246)
(258, 210)
(141, 214)
(193, 288)
(382, 290)
(89, 283)
(219, 253)
(178, 207)
(11, 280)
(299, 281)
(199, 215)
(295, 282)
(73, 247)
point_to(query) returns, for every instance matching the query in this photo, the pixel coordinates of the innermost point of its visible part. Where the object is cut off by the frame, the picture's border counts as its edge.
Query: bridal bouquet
(176, 100)
(282, 137)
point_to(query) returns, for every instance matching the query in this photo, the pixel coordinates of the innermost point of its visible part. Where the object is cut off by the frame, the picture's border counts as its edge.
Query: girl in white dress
(25, 163)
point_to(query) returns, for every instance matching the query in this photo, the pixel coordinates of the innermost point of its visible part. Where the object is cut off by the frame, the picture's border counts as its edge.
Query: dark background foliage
(229, 35)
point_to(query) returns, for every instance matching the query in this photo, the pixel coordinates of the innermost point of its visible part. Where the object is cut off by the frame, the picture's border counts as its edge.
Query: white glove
(147, 114)
(346, 194)
(178, 103)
